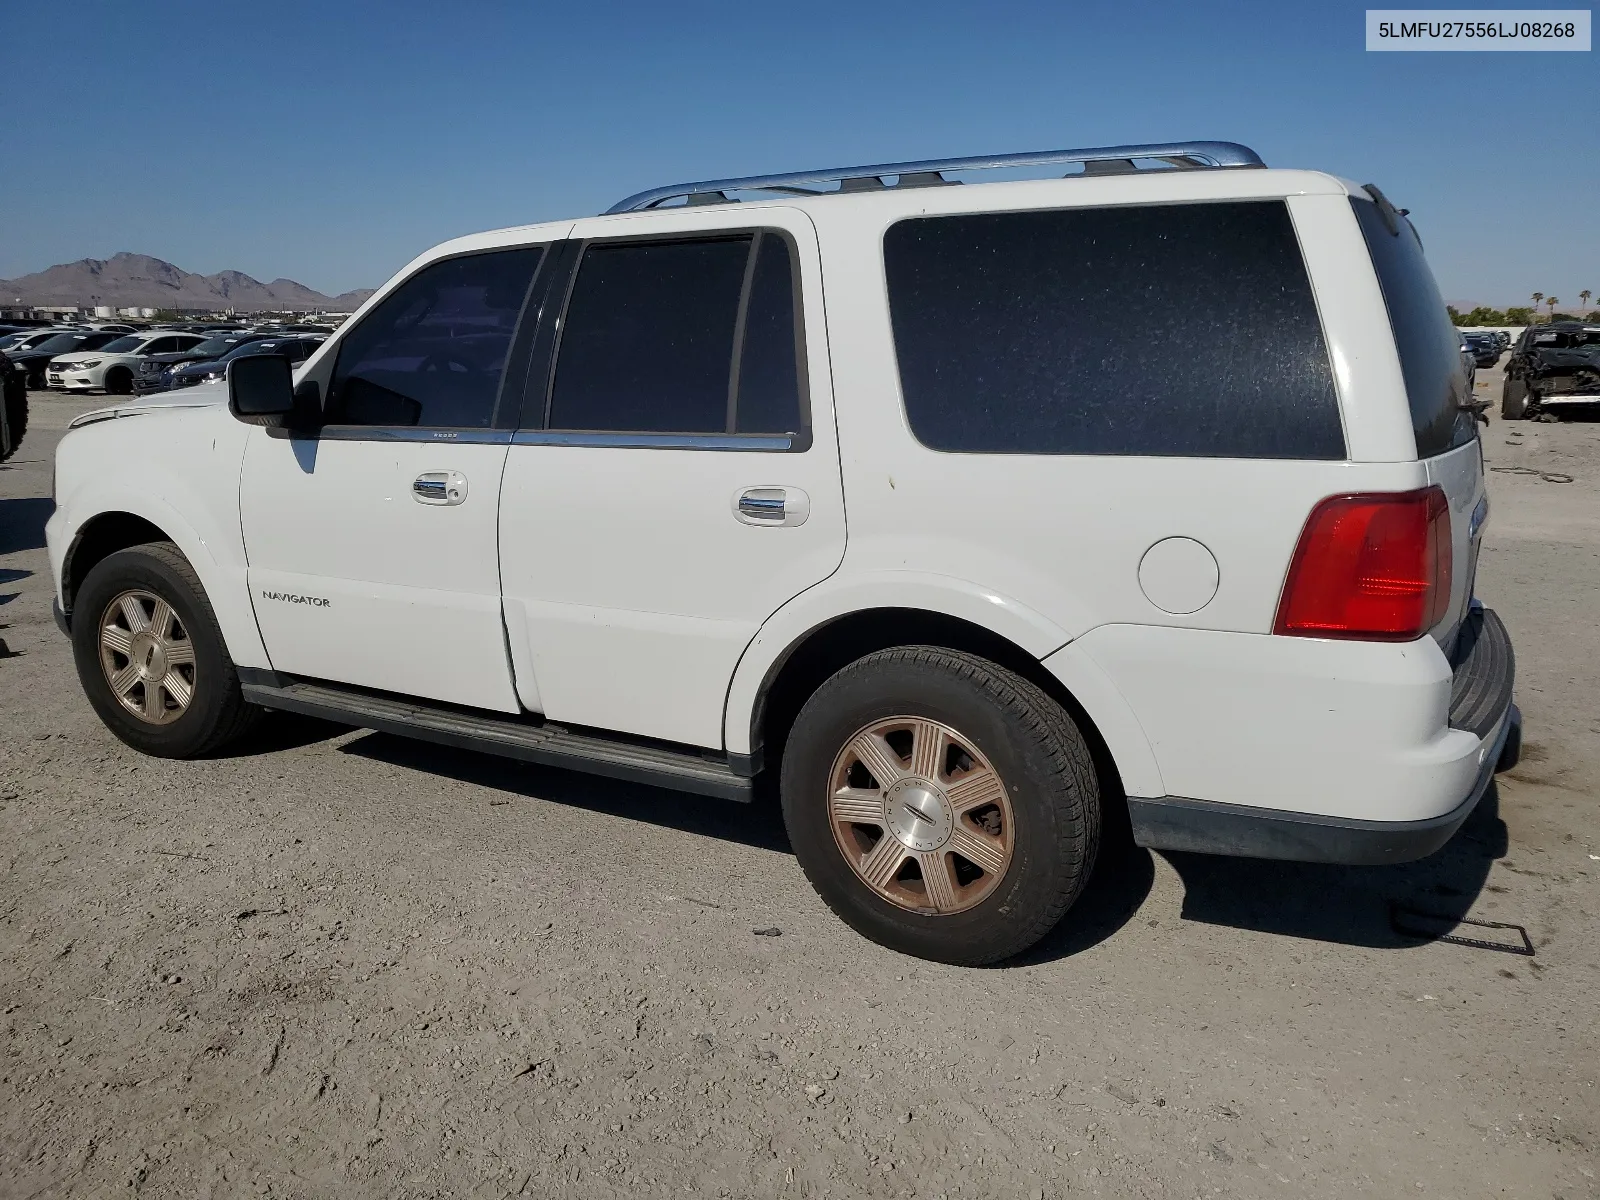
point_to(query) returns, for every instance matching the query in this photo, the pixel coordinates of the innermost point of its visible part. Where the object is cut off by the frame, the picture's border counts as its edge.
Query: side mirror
(260, 389)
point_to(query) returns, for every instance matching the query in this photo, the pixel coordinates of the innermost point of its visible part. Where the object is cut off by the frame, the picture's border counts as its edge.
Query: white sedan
(112, 367)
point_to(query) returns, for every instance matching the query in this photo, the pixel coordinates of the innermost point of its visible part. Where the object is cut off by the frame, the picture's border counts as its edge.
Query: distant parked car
(117, 363)
(299, 328)
(27, 338)
(36, 358)
(1554, 364)
(295, 349)
(155, 372)
(1469, 362)
(1485, 348)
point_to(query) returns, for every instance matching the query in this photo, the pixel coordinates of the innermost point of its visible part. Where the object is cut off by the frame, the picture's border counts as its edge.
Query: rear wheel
(151, 658)
(940, 804)
(119, 381)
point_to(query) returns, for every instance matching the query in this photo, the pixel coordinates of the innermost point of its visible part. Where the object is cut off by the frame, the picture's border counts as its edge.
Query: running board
(550, 745)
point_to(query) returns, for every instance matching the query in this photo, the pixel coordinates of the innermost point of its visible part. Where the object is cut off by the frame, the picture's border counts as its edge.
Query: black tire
(16, 402)
(1032, 743)
(1514, 400)
(217, 713)
(119, 382)
(37, 382)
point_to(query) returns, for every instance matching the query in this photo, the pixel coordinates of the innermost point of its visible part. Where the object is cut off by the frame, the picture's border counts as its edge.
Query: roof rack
(1097, 160)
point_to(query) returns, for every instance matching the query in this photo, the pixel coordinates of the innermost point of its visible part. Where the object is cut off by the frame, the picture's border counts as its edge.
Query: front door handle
(440, 487)
(780, 507)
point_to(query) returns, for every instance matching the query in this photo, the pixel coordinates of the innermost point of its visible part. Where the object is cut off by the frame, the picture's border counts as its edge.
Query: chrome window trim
(662, 441)
(410, 433)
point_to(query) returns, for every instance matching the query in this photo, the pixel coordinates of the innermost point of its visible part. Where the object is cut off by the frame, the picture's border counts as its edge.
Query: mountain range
(127, 280)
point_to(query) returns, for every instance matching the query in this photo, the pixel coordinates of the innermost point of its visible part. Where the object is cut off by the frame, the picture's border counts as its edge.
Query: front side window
(1152, 330)
(433, 352)
(691, 337)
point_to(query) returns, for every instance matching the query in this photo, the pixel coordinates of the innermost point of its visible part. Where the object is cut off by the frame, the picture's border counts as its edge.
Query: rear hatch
(1437, 390)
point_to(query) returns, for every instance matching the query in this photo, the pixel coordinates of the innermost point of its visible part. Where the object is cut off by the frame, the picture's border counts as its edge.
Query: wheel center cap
(149, 655)
(919, 815)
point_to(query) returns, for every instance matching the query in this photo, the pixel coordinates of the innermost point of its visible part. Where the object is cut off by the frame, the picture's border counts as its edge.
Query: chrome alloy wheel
(921, 815)
(147, 657)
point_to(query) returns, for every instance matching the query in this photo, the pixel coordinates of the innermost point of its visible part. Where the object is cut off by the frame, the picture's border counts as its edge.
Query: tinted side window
(770, 357)
(432, 353)
(681, 337)
(1153, 330)
(1428, 344)
(648, 342)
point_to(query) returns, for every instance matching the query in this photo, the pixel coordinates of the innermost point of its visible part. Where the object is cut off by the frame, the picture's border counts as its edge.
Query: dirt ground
(341, 964)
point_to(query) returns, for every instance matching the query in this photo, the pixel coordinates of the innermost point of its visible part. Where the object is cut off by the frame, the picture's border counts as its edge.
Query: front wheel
(940, 804)
(151, 658)
(119, 382)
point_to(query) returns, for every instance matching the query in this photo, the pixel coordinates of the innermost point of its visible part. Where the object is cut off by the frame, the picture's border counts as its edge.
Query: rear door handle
(439, 487)
(780, 507)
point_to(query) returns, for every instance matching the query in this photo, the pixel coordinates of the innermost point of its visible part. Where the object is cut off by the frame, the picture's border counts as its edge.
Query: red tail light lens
(1374, 566)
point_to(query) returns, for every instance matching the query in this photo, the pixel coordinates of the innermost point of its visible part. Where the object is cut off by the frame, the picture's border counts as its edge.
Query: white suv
(970, 514)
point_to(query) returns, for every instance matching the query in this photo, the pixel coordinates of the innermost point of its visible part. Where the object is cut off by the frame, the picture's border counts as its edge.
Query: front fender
(180, 472)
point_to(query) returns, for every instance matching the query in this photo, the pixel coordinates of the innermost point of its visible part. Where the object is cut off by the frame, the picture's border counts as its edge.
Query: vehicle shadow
(758, 824)
(22, 523)
(1349, 905)
(283, 731)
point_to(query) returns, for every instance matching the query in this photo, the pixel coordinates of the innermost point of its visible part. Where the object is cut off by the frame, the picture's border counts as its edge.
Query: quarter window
(681, 337)
(433, 352)
(1428, 344)
(1151, 330)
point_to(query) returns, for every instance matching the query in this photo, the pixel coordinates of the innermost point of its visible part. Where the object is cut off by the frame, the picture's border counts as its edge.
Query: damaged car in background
(1552, 365)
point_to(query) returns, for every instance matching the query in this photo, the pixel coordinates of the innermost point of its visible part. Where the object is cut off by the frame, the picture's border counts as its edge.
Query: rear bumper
(1483, 673)
(1208, 827)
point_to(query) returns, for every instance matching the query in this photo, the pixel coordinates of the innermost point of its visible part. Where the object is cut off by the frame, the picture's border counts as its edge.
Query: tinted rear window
(1154, 330)
(1428, 344)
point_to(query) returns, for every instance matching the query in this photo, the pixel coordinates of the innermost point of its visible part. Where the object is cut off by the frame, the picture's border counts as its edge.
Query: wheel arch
(120, 526)
(98, 538)
(809, 660)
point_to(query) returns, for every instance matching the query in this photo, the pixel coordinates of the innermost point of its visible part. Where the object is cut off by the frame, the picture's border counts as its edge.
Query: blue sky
(329, 142)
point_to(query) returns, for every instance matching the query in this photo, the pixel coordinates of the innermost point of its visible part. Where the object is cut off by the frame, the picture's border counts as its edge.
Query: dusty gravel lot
(341, 964)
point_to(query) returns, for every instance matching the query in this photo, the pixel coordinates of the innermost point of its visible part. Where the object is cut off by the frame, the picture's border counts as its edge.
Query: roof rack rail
(930, 172)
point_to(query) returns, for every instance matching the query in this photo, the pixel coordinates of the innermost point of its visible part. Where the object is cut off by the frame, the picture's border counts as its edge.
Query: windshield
(267, 347)
(1567, 339)
(213, 347)
(125, 345)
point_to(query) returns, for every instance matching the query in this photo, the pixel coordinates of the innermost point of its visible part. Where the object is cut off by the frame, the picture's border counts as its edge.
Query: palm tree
(1551, 302)
(1583, 297)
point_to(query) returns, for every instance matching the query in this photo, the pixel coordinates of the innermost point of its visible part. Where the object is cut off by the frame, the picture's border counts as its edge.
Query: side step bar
(551, 745)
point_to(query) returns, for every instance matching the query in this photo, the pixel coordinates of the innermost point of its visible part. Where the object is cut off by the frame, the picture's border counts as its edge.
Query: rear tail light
(1375, 566)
